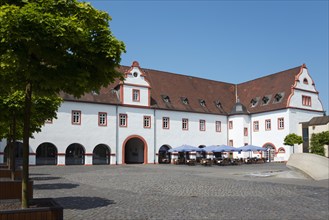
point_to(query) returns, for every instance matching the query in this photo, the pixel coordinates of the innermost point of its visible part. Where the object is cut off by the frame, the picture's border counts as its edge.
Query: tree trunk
(26, 136)
(13, 149)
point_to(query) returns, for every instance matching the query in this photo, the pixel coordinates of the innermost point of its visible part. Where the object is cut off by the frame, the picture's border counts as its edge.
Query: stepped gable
(275, 88)
(187, 93)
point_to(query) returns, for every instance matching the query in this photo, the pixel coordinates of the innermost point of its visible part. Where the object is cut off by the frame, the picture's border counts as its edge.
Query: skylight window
(165, 98)
(184, 100)
(254, 102)
(278, 97)
(265, 100)
(202, 103)
(218, 104)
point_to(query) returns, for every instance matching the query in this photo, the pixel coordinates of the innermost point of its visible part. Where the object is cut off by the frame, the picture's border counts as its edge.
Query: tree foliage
(318, 140)
(292, 139)
(12, 106)
(49, 46)
(55, 44)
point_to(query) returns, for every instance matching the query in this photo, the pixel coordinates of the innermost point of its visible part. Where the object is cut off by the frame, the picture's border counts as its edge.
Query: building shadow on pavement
(82, 202)
(55, 186)
(45, 178)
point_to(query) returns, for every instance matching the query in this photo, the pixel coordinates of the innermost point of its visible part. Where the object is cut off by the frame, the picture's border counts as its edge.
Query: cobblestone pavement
(260, 191)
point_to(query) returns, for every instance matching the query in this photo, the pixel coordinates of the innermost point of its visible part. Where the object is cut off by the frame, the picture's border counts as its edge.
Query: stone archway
(101, 155)
(269, 154)
(46, 154)
(134, 150)
(75, 155)
(18, 153)
(163, 155)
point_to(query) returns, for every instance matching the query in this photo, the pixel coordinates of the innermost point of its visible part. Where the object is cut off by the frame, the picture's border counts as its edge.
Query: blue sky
(228, 41)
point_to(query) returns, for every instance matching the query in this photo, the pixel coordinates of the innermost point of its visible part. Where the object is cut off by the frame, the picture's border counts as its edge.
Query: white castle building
(139, 119)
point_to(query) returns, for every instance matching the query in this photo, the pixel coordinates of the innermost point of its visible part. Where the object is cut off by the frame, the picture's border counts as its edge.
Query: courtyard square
(163, 191)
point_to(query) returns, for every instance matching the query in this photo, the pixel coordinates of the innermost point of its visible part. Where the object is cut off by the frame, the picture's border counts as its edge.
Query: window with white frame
(123, 120)
(76, 117)
(218, 125)
(102, 118)
(280, 123)
(136, 95)
(202, 125)
(268, 124)
(165, 123)
(256, 125)
(185, 124)
(147, 121)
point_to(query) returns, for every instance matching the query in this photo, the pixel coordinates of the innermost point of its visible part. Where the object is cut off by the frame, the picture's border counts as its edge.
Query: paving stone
(182, 192)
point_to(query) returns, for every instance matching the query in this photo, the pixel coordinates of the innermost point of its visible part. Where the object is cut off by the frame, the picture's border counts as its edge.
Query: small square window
(306, 100)
(185, 124)
(245, 132)
(202, 125)
(218, 126)
(280, 123)
(76, 117)
(165, 123)
(230, 125)
(268, 124)
(136, 95)
(147, 121)
(102, 118)
(123, 120)
(256, 125)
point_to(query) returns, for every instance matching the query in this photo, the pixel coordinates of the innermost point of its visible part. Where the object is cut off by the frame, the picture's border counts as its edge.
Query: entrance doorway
(75, 155)
(101, 155)
(46, 154)
(18, 154)
(134, 150)
(269, 153)
(164, 156)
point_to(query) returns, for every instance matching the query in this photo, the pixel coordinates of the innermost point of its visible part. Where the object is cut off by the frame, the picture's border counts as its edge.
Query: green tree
(48, 46)
(12, 115)
(318, 140)
(292, 139)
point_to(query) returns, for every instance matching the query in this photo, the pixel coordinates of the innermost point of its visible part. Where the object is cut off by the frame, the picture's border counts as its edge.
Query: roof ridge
(277, 73)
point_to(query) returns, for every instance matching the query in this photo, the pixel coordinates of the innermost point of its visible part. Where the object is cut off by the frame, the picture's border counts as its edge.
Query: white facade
(134, 132)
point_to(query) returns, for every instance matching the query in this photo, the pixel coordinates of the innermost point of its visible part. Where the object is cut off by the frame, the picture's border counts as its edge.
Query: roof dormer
(135, 89)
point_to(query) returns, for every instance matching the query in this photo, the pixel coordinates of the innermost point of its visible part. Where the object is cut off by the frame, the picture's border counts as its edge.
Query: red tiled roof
(268, 86)
(178, 87)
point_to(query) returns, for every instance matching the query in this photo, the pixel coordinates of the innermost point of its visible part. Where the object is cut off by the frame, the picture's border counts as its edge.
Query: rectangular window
(245, 131)
(230, 142)
(218, 126)
(102, 118)
(230, 125)
(147, 121)
(280, 123)
(123, 120)
(76, 117)
(256, 125)
(185, 124)
(136, 95)
(268, 124)
(306, 100)
(165, 123)
(202, 125)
